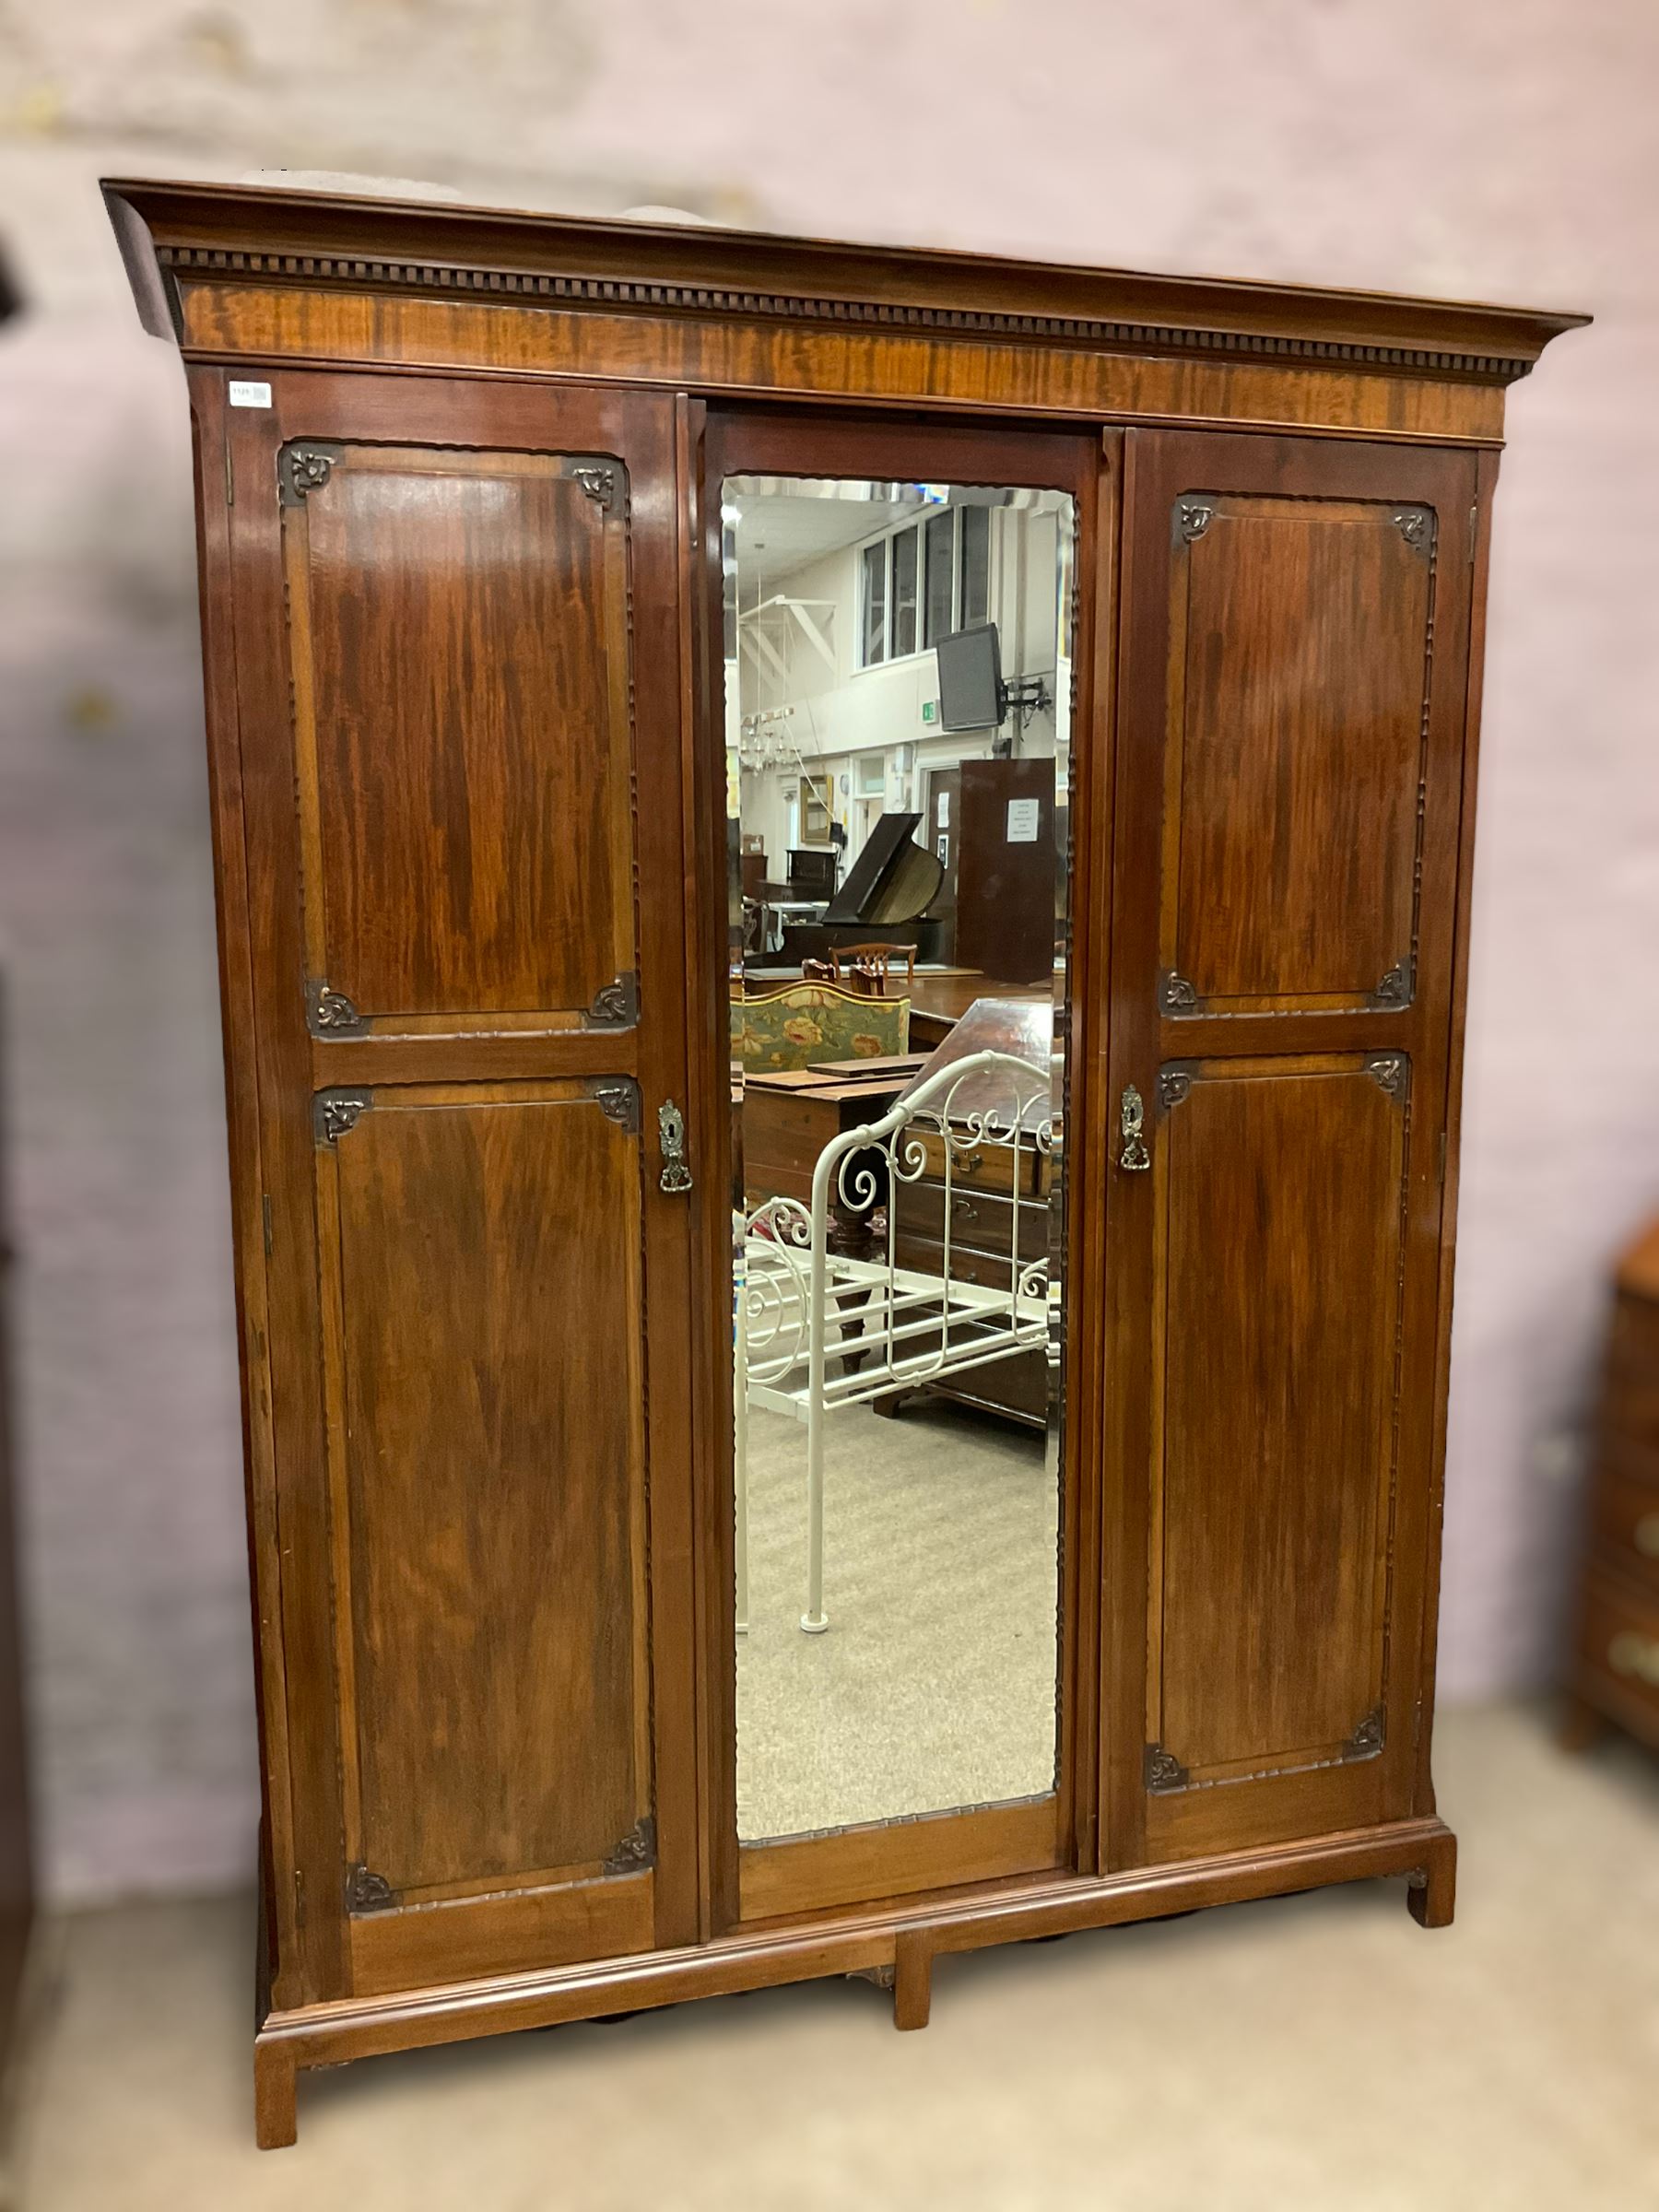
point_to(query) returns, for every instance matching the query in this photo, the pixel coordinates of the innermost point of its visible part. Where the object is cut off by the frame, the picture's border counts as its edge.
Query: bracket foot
(912, 1981)
(1431, 1888)
(276, 2121)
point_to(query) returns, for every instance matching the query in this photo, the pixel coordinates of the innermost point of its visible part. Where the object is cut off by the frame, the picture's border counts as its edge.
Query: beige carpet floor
(1317, 2053)
(934, 1685)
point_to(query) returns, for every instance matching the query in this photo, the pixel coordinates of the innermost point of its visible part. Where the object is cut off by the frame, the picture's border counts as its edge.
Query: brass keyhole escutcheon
(676, 1176)
(1132, 1121)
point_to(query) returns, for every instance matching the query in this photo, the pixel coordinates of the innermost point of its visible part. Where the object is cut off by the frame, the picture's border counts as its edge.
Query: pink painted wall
(1495, 148)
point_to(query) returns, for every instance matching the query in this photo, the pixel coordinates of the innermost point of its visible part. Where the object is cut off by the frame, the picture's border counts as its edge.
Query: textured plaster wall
(1497, 147)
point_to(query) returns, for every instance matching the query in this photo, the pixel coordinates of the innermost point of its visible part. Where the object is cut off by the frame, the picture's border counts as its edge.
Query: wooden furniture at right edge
(16, 1879)
(1615, 1665)
(458, 482)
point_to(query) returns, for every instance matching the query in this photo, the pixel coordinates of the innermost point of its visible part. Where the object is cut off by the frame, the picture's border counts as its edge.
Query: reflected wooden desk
(936, 1010)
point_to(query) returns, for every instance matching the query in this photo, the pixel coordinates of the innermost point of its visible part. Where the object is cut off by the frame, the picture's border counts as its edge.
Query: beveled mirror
(899, 738)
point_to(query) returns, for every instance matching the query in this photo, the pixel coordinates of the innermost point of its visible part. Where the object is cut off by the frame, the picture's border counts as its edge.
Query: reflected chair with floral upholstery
(807, 1022)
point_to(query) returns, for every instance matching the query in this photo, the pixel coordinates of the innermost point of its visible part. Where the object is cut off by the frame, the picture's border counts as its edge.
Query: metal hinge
(1474, 528)
(298, 1898)
(229, 476)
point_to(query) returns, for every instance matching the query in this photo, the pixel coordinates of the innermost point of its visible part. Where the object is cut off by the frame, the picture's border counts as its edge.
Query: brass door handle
(1131, 1122)
(671, 1133)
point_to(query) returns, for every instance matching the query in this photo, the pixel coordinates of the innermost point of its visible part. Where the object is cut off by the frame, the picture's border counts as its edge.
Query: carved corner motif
(617, 1006)
(619, 1103)
(600, 485)
(1395, 988)
(367, 1892)
(302, 469)
(336, 1111)
(1416, 525)
(330, 1013)
(1391, 1072)
(1192, 518)
(1176, 995)
(1173, 1085)
(1367, 1739)
(636, 1851)
(1164, 1771)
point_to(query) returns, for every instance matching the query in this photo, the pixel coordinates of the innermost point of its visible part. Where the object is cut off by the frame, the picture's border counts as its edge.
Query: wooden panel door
(458, 769)
(1292, 705)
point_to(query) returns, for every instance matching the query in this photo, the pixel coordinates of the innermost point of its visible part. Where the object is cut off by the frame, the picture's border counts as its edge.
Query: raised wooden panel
(1300, 660)
(460, 651)
(481, 1251)
(1295, 642)
(1279, 1314)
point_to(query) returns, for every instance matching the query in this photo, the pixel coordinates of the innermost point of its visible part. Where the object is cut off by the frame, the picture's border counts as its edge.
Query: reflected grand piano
(887, 893)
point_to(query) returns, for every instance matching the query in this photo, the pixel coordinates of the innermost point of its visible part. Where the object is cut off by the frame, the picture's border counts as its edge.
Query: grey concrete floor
(1317, 2052)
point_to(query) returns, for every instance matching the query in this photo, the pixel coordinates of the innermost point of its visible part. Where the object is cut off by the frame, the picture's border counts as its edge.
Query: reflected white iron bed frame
(802, 1311)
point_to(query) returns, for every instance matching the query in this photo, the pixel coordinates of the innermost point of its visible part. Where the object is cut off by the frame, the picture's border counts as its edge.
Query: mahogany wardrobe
(767, 1460)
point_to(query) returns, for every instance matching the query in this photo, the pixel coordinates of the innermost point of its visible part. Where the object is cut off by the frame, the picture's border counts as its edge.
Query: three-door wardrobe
(843, 883)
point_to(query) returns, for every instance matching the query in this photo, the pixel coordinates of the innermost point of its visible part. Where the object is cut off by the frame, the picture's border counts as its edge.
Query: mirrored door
(899, 725)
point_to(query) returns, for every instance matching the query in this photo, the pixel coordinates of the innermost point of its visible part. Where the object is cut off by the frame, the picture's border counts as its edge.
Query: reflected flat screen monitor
(971, 685)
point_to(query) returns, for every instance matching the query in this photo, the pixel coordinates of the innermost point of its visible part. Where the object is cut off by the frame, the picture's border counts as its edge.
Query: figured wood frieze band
(706, 299)
(254, 321)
